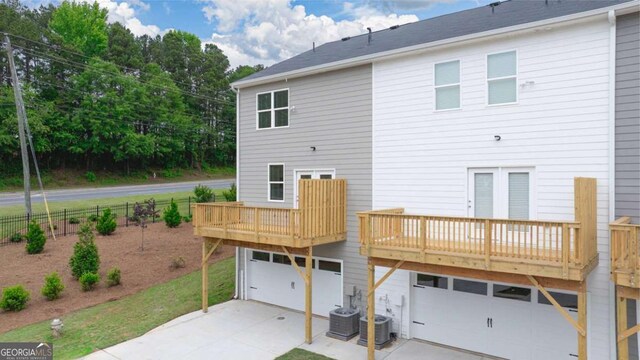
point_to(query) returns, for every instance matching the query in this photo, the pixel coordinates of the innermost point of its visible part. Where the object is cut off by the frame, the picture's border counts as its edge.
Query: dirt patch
(140, 269)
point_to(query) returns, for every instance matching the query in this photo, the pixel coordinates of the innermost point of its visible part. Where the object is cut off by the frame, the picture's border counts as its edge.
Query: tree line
(99, 98)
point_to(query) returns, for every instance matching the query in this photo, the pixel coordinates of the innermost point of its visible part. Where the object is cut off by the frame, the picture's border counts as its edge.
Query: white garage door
(513, 322)
(272, 279)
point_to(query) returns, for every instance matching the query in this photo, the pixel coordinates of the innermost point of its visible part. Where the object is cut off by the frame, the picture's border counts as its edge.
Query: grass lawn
(59, 205)
(300, 354)
(114, 322)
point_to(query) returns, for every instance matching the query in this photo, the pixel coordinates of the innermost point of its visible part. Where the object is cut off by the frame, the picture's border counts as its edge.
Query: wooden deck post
(623, 344)
(208, 247)
(582, 321)
(308, 295)
(371, 326)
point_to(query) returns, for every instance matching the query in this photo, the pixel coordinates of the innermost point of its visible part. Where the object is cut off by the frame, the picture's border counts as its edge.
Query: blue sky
(267, 31)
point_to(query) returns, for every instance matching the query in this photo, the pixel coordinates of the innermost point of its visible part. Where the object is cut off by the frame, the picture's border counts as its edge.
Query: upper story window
(447, 85)
(276, 182)
(502, 71)
(273, 109)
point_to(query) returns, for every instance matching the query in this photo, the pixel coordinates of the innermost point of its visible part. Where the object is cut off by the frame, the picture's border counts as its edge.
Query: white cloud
(125, 13)
(260, 31)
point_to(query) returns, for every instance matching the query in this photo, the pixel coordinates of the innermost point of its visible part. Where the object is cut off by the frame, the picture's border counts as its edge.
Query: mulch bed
(140, 269)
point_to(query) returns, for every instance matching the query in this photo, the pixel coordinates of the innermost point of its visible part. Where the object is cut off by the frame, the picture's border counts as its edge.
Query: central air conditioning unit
(343, 323)
(383, 331)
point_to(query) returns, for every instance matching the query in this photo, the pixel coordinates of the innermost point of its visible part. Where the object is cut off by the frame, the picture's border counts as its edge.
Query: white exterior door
(503, 193)
(491, 318)
(271, 278)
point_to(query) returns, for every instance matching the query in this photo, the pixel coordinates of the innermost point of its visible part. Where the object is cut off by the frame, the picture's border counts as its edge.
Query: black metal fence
(67, 221)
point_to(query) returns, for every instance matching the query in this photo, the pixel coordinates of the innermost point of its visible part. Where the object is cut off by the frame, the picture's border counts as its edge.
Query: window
(447, 85)
(519, 195)
(565, 300)
(259, 255)
(439, 282)
(330, 266)
(471, 287)
(512, 292)
(276, 182)
(302, 262)
(502, 78)
(281, 259)
(273, 109)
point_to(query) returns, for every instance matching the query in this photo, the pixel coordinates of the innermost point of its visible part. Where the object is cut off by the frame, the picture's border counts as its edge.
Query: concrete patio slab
(250, 330)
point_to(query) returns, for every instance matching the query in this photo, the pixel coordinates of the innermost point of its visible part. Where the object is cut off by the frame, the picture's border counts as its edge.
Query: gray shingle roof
(477, 20)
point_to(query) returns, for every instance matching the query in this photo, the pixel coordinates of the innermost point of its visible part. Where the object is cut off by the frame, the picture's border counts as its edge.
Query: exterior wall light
(497, 137)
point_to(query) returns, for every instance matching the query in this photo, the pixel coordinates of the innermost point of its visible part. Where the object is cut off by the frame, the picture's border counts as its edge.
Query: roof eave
(620, 9)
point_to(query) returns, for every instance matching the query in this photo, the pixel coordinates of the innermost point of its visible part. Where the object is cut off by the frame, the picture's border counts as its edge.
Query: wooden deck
(553, 249)
(625, 262)
(320, 219)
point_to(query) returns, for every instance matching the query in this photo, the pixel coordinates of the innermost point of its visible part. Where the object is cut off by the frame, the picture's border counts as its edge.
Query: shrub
(17, 237)
(230, 195)
(177, 263)
(106, 224)
(92, 218)
(89, 280)
(52, 286)
(187, 218)
(171, 173)
(35, 238)
(90, 176)
(171, 215)
(85, 258)
(113, 277)
(74, 220)
(203, 194)
(14, 298)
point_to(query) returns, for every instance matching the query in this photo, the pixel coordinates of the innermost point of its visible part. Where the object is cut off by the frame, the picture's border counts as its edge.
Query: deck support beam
(561, 310)
(371, 308)
(582, 321)
(623, 294)
(208, 247)
(307, 278)
(382, 279)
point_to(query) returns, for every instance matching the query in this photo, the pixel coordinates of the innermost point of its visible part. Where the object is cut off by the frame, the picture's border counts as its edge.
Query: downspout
(239, 272)
(612, 175)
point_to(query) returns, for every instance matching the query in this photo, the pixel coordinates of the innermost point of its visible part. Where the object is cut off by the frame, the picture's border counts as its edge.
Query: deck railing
(625, 265)
(527, 241)
(321, 217)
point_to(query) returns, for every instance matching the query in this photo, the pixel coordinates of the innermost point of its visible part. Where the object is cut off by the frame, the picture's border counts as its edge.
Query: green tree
(171, 215)
(106, 223)
(81, 25)
(123, 49)
(85, 258)
(35, 238)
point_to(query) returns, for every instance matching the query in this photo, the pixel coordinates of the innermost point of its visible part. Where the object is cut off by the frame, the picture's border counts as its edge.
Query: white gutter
(612, 173)
(239, 272)
(366, 59)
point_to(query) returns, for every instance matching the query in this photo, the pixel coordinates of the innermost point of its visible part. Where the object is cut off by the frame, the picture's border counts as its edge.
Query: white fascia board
(366, 59)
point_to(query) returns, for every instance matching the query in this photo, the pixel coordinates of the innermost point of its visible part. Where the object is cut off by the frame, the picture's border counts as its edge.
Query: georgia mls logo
(26, 351)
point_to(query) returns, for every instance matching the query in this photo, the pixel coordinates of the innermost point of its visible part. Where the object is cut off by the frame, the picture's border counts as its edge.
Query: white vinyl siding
(502, 86)
(272, 109)
(447, 85)
(560, 128)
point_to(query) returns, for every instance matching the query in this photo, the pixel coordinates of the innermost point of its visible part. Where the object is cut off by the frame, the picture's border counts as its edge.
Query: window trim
(269, 182)
(501, 189)
(458, 84)
(516, 76)
(273, 109)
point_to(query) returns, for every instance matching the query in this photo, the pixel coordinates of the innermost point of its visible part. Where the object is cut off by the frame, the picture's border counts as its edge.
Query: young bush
(85, 258)
(74, 220)
(106, 224)
(113, 277)
(92, 218)
(52, 286)
(91, 176)
(171, 215)
(203, 194)
(187, 218)
(14, 298)
(17, 237)
(230, 195)
(89, 280)
(177, 263)
(35, 238)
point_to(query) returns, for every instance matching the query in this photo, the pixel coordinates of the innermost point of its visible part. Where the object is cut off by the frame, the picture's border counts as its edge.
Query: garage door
(513, 322)
(271, 278)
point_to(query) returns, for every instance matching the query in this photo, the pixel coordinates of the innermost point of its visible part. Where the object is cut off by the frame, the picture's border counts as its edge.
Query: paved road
(109, 192)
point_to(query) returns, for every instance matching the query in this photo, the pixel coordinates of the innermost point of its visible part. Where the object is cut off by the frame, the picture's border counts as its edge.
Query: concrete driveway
(250, 330)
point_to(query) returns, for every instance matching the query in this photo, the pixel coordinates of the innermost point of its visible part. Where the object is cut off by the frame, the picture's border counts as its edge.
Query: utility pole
(22, 119)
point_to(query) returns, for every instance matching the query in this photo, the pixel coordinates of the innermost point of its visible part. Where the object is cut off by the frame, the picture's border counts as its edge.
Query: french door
(309, 174)
(506, 193)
